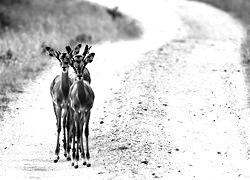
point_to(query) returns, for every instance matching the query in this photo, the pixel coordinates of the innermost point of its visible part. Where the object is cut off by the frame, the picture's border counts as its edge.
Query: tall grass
(26, 26)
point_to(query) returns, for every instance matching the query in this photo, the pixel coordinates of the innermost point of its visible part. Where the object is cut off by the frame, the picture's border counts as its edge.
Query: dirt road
(171, 105)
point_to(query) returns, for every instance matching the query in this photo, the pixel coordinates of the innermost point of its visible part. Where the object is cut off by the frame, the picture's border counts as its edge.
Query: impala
(81, 98)
(59, 90)
(71, 54)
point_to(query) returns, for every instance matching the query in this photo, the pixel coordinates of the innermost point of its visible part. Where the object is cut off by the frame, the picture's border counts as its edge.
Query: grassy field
(26, 26)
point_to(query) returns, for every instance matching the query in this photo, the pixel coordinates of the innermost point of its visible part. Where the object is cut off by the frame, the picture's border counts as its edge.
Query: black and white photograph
(125, 89)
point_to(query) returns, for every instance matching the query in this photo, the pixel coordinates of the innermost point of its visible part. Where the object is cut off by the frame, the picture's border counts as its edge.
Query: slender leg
(81, 139)
(87, 138)
(78, 139)
(73, 142)
(65, 114)
(58, 112)
(69, 127)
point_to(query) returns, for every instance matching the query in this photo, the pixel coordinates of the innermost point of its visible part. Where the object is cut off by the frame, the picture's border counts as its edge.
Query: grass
(27, 26)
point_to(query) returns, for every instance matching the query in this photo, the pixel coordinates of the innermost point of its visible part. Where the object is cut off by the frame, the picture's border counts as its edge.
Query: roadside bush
(27, 26)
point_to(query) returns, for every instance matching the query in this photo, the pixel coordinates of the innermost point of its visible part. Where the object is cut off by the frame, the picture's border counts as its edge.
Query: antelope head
(61, 57)
(80, 61)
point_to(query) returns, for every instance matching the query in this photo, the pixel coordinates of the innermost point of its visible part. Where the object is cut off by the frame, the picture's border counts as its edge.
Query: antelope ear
(68, 49)
(53, 53)
(90, 57)
(77, 49)
(50, 51)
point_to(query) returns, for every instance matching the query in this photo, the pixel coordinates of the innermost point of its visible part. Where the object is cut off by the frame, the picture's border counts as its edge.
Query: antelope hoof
(89, 165)
(68, 158)
(76, 166)
(56, 160)
(72, 164)
(84, 163)
(65, 154)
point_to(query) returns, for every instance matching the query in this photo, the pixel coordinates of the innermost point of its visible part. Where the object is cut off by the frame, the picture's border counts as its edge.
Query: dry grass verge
(27, 26)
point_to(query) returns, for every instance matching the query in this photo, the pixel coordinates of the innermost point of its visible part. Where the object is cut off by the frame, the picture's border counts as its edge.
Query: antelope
(59, 90)
(81, 97)
(86, 76)
(71, 53)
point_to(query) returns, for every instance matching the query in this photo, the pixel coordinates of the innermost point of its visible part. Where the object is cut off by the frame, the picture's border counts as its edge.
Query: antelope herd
(73, 99)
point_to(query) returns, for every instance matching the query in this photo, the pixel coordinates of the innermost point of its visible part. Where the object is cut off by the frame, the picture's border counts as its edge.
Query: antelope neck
(81, 91)
(65, 84)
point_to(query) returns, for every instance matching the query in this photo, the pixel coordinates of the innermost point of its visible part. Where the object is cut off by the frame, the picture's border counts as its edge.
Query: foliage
(27, 26)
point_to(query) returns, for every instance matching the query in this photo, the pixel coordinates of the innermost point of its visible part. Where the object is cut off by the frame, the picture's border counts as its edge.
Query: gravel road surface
(170, 105)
